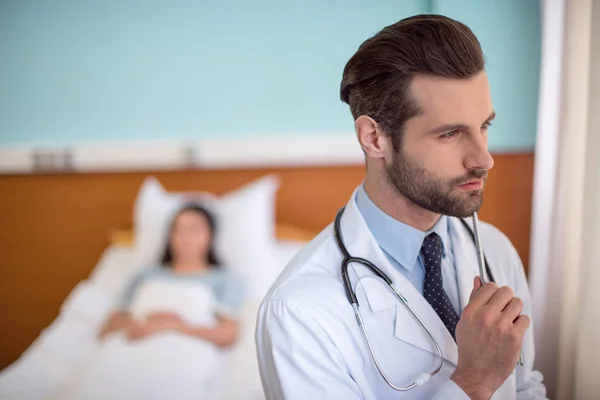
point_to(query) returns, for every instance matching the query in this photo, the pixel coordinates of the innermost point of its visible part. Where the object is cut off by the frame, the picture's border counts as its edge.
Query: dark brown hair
(376, 80)
(211, 257)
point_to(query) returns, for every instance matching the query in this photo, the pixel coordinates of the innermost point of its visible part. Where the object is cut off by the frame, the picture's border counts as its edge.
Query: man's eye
(448, 135)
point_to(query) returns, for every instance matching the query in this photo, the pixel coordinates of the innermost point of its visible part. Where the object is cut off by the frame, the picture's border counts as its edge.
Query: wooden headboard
(54, 227)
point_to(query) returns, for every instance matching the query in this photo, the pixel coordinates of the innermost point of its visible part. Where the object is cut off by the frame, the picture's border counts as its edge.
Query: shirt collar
(399, 240)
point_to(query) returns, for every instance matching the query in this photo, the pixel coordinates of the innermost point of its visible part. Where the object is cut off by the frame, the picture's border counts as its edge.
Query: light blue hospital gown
(227, 288)
(164, 366)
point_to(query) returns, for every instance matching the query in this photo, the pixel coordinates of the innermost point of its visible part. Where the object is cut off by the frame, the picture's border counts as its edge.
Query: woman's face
(191, 237)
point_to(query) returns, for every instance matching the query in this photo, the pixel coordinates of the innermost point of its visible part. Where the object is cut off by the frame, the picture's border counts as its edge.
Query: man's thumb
(476, 286)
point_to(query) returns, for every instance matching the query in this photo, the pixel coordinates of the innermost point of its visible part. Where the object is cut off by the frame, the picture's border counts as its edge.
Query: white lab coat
(309, 343)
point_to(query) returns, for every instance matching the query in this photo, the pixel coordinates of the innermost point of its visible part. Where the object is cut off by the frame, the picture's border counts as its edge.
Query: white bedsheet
(166, 365)
(61, 349)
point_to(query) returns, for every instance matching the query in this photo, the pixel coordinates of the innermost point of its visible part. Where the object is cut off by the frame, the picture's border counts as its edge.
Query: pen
(481, 262)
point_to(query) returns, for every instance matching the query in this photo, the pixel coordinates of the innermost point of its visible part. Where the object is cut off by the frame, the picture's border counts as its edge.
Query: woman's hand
(166, 319)
(117, 321)
(223, 334)
(136, 330)
(157, 322)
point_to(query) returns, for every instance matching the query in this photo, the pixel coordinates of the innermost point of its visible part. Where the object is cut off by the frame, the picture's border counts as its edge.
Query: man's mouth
(473, 184)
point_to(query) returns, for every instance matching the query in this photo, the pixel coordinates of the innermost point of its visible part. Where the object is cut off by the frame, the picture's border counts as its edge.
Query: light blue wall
(85, 71)
(510, 34)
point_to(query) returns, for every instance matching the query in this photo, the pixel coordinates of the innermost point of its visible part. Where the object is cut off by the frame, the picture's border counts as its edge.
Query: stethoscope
(421, 379)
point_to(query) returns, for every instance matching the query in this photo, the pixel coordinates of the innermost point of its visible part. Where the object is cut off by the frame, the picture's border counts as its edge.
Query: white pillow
(114, 270)
(287, 249)
(245, 220)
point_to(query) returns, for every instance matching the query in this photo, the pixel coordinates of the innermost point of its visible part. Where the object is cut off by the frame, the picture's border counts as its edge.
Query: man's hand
(489, 335)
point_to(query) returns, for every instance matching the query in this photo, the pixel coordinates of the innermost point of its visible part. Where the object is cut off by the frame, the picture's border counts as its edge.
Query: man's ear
(371, 137)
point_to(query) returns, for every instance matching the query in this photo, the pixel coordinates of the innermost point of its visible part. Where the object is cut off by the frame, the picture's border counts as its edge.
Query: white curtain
(565, 240)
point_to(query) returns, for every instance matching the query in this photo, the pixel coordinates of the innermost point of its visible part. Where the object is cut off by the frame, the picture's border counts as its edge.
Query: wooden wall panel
(54, 227)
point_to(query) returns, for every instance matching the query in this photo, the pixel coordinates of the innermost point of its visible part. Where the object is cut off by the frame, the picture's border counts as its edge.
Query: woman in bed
(189, 256)
(167, 338)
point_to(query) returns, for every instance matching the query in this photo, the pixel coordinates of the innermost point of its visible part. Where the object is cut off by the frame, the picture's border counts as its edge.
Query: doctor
(421, 103)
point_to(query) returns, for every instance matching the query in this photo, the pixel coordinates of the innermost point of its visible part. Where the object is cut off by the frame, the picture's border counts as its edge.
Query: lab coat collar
(361, 243)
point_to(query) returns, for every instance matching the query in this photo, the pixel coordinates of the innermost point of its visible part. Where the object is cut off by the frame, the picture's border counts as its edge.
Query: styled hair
(377, 78)
(211, 256)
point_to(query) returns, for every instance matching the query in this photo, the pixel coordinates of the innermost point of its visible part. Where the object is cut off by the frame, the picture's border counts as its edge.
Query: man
(421, 103)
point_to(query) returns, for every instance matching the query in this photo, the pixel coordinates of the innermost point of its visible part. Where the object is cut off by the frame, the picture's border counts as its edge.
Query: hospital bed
(46, 368)
(55, 227)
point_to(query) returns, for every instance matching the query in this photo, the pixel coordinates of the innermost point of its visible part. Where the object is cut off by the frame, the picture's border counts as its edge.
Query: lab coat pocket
(405, 326)
(398, 357)
(408, 329)
(378, 295)
(395, 336)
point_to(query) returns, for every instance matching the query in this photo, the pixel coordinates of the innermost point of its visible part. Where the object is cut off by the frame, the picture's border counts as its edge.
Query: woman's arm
(121, 319)
(223, 334)
(117, 321)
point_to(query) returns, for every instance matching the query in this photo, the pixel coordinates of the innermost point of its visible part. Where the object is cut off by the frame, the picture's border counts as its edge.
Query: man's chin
(465, 206)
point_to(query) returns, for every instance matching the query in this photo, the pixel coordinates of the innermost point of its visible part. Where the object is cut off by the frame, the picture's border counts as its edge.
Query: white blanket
(165, 365)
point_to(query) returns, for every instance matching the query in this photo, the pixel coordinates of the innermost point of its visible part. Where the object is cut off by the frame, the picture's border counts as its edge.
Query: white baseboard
(338, 149)
(285, 150)
(15, 160)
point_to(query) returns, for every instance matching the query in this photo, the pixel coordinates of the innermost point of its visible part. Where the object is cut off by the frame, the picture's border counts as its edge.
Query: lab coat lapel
(465, 259)
(361, 243)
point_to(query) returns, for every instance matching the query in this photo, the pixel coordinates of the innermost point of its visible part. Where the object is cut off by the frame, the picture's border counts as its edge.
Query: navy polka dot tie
(433, 287)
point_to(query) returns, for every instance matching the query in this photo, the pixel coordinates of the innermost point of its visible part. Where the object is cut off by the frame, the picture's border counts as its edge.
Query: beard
(440, 196)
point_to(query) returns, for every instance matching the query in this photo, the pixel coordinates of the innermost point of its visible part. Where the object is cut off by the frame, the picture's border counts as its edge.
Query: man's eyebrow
(452, 127)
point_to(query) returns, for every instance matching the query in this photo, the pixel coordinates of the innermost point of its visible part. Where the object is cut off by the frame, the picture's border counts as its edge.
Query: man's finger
(484, 294)
(501, 298)
(513, 309)
(522, 322)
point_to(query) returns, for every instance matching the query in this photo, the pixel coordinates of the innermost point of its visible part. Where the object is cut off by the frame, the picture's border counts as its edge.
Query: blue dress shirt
(401, 244)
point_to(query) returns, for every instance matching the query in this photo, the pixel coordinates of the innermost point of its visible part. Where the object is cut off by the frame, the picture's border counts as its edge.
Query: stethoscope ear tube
(337, 230)
(347, 259)
(347, 284)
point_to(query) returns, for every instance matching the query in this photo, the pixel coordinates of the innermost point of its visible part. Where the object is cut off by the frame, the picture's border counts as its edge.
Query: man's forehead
(440, 99)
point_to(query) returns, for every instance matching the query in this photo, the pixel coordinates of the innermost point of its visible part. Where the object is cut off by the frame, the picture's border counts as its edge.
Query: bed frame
(56, 226)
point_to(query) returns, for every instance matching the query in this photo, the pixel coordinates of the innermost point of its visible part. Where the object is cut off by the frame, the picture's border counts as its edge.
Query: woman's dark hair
(212, 259)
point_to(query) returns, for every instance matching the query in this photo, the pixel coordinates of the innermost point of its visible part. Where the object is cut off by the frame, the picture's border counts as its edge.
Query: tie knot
(432, 251)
